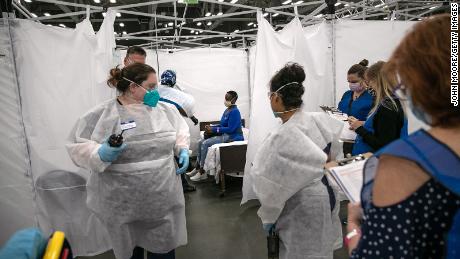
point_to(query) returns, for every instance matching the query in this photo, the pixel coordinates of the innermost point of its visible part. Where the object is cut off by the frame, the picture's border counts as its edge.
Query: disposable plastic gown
(287, 172)
(138, 197)
(185, 100)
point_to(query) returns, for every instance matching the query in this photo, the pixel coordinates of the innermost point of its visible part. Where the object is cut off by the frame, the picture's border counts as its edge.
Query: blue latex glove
(25, 244)
(183, 161)
(108, 153)
(269, 228)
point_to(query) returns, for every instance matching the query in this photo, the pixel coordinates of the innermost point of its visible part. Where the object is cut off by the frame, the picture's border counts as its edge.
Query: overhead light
(34, 15)
(103, 14)
(236, 31)
(255, 25)
(47, 14)
(346, 5)
(118, 14)
(62, 25)
(49, 25)
(220, 13)
(287, 2)
(209, 23)
(207, 14)
(124, 33)
(113, 1)
(166, 25)
(97, 1)
(337, 4)
(221, 1)
(276, 14)
(251, 23)
(198, 24)
(182, 23)
(431, 8)
(265, 14)
(386, 18)
(192, 31)
(170, 23)
(319, 16)
(28, 1)
(196, 32)
(298, 2)
(233, 1)
(122, 24)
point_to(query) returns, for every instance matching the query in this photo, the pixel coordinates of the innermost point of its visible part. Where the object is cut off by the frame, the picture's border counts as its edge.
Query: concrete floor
(219, 228)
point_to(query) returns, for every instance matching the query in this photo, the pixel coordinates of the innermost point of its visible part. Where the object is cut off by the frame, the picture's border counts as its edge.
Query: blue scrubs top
(358, 108)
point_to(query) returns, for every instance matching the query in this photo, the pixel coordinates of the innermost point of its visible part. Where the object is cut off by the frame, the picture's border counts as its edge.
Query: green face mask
(151, 97)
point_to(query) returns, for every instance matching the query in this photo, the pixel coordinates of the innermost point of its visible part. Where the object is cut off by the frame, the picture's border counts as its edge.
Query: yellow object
(53, 250)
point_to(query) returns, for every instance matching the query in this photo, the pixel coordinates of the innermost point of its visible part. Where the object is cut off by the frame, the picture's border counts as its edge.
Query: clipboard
(346, 174)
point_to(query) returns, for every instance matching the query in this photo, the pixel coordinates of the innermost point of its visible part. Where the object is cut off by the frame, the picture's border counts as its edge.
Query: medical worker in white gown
(135, 189)
(288, 172)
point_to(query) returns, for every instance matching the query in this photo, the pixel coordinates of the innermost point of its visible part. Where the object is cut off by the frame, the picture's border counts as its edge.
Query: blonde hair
(385, 81)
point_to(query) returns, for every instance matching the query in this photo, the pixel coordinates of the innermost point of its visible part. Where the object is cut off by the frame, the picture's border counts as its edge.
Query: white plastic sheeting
(61, 74)
(207, 74)
(311, 49)
(16, 196)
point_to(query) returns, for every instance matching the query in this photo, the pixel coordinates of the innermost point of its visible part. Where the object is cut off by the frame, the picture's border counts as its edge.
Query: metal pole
(334, 61)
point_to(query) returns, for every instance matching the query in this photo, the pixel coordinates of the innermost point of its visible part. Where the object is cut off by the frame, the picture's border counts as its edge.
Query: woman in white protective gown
(288, 176)
(135, 189)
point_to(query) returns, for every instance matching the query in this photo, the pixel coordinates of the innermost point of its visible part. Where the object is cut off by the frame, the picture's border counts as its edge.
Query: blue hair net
(168, 78)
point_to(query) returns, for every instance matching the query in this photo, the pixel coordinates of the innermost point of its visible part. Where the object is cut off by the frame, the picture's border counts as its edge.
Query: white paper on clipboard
(349, 178)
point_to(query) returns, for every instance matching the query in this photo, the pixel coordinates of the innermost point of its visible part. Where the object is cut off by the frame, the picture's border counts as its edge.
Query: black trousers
(138, 253)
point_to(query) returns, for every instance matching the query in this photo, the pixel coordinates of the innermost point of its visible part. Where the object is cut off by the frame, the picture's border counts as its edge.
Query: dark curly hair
(290, 94)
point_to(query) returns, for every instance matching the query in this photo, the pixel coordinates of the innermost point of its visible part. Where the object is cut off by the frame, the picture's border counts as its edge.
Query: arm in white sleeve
(83, 151)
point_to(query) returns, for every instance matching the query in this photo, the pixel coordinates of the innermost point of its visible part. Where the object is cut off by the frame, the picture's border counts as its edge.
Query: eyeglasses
(150, 86)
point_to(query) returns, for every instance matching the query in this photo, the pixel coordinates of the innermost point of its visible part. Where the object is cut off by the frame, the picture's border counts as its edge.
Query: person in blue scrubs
(356, 102)
(229, 129)
(386, 121)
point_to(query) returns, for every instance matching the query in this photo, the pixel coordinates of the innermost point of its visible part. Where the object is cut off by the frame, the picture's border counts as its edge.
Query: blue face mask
(418, 112)
(151, 98)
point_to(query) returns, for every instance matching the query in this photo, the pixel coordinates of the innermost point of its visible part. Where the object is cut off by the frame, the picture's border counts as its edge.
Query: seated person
(386, 121)
(228, 130)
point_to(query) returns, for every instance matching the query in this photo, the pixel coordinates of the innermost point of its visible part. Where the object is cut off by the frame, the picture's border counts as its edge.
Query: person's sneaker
(198, 177)
(192, 173)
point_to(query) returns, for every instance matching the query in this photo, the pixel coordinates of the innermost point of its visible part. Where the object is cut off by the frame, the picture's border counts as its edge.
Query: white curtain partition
(207, 74)
(61, 74)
